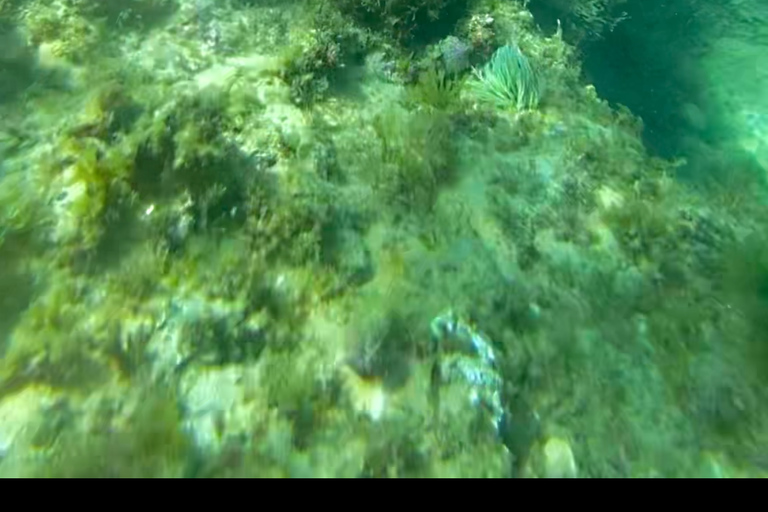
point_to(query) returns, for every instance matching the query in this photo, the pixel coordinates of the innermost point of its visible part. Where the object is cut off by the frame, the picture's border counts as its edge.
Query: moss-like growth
(151, 444)
(746, 285)
(63, 27)
(78, 30)
(20, 288)
(315, 61)
(404, 19)
(290, 219)
(435, 90)
(189, 169)
(134, 13)
(234, 307)
(396, 451)
(17, 63)
(52, 344)
(91, 185)
(185, 147)
(109, 113)
(22, 212)
(384, 347)
(413, 158)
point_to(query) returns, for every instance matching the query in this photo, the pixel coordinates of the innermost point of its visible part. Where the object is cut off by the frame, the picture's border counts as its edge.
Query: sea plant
(508, 81)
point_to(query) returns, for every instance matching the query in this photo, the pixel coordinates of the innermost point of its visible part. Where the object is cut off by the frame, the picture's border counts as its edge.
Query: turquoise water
(336, 238)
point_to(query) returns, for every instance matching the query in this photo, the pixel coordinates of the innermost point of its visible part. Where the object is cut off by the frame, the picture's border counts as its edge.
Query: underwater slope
(307, 239)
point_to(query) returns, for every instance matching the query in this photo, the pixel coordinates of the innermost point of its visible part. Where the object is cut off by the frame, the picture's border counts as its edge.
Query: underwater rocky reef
(336, 238)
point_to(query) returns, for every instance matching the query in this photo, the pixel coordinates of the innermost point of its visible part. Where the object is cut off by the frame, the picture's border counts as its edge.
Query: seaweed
(151, 445)
(405, 20)
(435, 90)
(415, 157)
